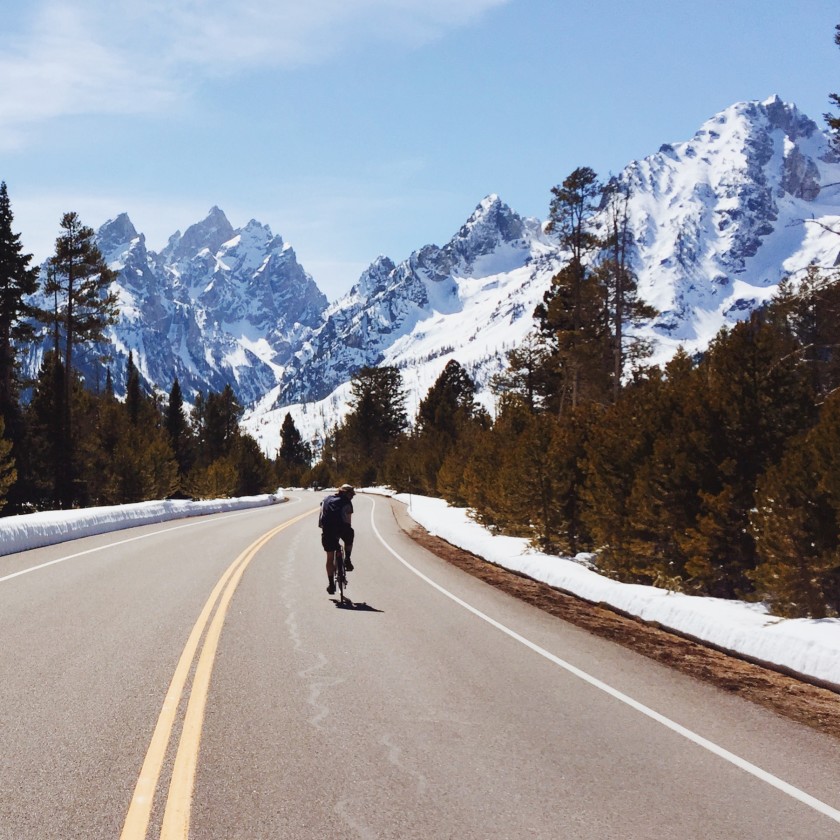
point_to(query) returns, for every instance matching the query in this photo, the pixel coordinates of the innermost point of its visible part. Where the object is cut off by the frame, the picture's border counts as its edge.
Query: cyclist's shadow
(355, 606)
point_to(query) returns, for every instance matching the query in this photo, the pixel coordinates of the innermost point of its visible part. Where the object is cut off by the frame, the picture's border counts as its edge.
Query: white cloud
(99, 57)
(60, 67)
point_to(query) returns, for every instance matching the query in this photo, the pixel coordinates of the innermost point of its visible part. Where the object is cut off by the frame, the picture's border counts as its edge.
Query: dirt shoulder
(816, 707)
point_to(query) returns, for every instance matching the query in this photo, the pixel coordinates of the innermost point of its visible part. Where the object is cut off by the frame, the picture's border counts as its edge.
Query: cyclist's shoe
(331, 588)
(348, 565)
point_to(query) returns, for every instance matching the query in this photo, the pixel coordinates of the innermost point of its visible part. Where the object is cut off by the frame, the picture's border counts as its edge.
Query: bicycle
(340, 573)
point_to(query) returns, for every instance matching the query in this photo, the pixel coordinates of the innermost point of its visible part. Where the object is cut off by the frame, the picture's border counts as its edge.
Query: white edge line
(743, 764)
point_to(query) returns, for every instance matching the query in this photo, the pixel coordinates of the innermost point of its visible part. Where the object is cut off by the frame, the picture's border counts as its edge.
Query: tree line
(716, 475)
(68, 444)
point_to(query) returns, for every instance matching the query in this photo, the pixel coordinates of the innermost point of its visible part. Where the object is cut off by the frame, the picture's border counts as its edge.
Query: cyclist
(334, 522)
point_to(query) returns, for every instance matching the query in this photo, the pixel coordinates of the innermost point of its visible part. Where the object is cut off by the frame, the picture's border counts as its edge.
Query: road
(195, 679)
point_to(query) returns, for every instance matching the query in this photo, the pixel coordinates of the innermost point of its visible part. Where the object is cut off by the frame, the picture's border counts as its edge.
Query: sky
(359, 128)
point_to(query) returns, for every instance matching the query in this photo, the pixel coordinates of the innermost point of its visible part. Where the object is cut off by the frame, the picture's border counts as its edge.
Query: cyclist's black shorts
(329, 540)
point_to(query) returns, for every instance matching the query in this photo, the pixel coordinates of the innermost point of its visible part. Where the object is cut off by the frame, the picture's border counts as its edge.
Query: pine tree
(832, 119)
(294, 455)
(375, 423)
(107, 425)
(44, 421)
(573, 314)
(620, 442)
(616, 275)
(17, 280)
(449, 403)
(79, 281)
(528, 373)
(674, 464)
(178, 429)
(812, 312)
(759, 397)
(216, 419)
(485, 483)
(133, 393)
(217, 480)
(539, 479)
(8, 472)
(795, 523)
(254, 470)
(444, 414)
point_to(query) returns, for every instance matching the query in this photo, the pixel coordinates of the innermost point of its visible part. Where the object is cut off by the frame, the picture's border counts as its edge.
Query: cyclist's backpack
(332, 513)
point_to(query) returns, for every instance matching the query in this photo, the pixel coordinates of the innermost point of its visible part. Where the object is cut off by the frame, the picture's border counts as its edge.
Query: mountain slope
(387, 314)
(718, 221)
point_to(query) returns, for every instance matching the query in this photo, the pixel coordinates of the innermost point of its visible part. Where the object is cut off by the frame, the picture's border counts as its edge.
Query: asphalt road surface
(194, 679)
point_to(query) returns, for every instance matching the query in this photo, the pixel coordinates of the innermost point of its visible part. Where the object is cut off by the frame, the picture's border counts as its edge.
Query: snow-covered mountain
(215, 306)
(718, 221)
(387, 315)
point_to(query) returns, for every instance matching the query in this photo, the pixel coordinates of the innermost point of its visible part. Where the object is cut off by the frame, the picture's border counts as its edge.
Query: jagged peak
(256, 226)
(116, 237)
(786, 116)
(381, 263)
(778, 114)
(120, 227)
(210, 233)
(491, 223)
(734, 128)
(375, 277)
(489, 207)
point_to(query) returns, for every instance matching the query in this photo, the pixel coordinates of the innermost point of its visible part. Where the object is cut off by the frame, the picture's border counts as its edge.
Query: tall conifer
(79, 281)
(294, 455)
(178, 429)
(17, 280)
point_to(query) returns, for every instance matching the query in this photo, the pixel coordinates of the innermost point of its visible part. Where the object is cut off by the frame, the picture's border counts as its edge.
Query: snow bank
(34, 530)
(805, 647)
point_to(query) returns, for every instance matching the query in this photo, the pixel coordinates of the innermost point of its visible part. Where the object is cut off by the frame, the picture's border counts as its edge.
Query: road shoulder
(816, 707)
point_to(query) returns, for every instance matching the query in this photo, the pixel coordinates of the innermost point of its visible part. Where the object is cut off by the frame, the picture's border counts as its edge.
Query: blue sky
(355, 128)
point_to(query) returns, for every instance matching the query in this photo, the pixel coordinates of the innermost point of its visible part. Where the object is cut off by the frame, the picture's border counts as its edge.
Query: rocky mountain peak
(375, 278)
(785, 116)
(491, 224)
(210, 233)
(116, 237)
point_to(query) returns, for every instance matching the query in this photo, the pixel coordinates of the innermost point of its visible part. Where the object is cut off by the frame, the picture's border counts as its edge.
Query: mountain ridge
(717, 220)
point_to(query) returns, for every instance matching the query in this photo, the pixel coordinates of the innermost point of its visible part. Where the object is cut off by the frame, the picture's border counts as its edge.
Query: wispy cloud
(99, 57)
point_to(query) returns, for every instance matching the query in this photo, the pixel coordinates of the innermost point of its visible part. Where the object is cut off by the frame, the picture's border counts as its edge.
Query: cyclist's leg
(347, 536)
(329, 541)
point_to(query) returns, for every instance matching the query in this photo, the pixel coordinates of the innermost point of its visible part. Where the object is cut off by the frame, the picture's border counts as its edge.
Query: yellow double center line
(176, 818)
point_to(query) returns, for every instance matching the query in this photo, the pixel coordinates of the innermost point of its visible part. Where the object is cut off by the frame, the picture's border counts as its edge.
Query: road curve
(430, 706)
